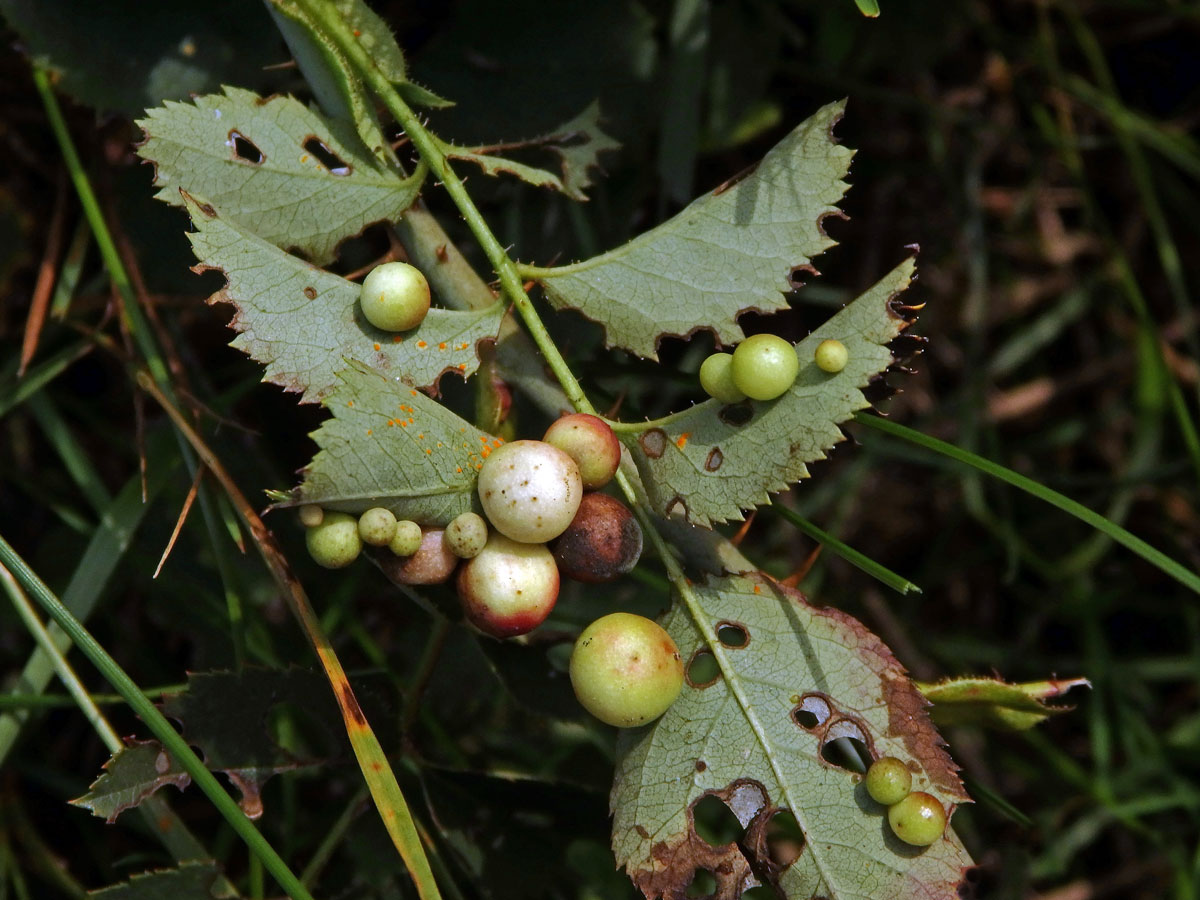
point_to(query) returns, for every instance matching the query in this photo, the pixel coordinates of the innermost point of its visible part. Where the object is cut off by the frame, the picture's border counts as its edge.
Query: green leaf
(729, 251)
(991, 703)
(868, 8)
(710, 462)
(578, 144)
(302, 322)
(129, 777)
(190, 881)
(791, 679)
(396, 448)
(284, 172)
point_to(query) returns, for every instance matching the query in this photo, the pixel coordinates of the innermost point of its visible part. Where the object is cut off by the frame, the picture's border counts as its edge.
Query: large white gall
(530, 490)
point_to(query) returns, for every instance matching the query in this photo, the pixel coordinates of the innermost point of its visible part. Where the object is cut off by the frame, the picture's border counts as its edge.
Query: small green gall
(919, 819)
(466, 535)
(334, 543)
(395, 297)
(311, 515)
(626, 670)
(888, 780)
(716, 377)
(764, 366)
(406, 539)
(831, 356)
(376, 526)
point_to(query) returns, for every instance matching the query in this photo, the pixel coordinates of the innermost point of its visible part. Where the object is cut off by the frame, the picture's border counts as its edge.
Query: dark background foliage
(1042, 155)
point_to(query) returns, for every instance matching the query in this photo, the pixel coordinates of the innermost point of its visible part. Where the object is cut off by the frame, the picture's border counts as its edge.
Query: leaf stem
(155, 721)
(1155, 557)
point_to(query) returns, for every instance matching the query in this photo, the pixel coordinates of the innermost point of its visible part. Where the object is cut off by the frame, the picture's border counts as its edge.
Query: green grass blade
(155, 721)
(118, 523)
(846, 552)
(1155, 557)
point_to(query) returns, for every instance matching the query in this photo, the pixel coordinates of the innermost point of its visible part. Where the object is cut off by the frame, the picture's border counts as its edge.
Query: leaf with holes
(713, 461)
(284, 172)
(578, 144)
(130, 776)
(730, 251)
(760, 731)
(992, 703)
(387, 445)
(303, 323)
(188, 881)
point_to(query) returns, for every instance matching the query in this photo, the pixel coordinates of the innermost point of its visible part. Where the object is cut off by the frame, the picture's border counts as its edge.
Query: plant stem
(1155, 557)
(155, 721)
(431, 153)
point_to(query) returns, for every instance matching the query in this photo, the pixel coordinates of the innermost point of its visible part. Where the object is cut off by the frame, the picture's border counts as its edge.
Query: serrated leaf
(302, 322)
(190, 881)
(992, 703)
(710, 462)
(255, 159)
(730, 251)
(578, 144)
(130, 776)
(390, 446)
(801, 678)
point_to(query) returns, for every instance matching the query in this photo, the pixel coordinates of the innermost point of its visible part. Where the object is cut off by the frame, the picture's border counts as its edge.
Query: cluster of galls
(915, 817)
(764, 367)
(545, 516)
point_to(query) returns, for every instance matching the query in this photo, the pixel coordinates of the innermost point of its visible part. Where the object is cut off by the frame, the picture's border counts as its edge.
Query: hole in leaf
(736, 414)
(847, 753)
(310, 292)
(714, 459)
(703, 884)
(326, 157)
(715, 822)
(702, 669)
(785, 840)
(244, 149)
(812, 711)
(732, 635)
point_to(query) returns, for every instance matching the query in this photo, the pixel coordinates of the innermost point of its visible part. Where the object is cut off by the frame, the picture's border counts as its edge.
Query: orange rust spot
(758, 589)
(459, 470)
(422, 344)
(358, 33)
(304, 158)
(370, 431)
(349, 402)
(682, 440)
(428, 452)
(403, 424)
(487, 451)
(410, 420)
(397, 339)
(420, 437)
(377, 347)
(463, 346)
(483, 438)
(414, 393)
(478, 465)
(442, 345)
(462, 367)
